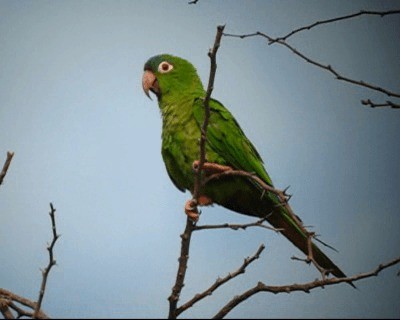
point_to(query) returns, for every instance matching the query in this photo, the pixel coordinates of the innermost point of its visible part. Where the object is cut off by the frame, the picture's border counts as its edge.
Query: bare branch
(5, 311)
(213, 68)
(283, 198)
(11, 297)
(233, 226)
(281, 194)
(6, 165)
(52, 262)
(368, 102)
(23, 313)
(180, 276)
(220, 281)
(186, 236)
(318, 64)
(305, 287)
(329, 68)
(349, 16)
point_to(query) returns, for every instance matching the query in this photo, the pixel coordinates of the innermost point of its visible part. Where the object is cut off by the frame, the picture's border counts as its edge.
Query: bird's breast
(180, 146)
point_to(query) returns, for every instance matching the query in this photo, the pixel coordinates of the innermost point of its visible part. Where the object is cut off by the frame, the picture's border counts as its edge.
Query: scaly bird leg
(191, 210)
(210, 167)
(191, 207)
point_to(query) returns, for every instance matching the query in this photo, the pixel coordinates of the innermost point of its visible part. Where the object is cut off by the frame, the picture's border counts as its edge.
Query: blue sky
(87, 139)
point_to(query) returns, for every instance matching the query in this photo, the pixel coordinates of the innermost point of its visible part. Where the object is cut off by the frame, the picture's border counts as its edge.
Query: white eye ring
(165, 67)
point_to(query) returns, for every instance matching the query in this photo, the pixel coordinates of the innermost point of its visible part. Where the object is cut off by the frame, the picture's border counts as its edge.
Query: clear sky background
(87, 139)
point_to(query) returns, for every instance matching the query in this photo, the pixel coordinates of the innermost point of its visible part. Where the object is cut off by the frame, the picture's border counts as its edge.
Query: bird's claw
(191, 210)
(210, 167)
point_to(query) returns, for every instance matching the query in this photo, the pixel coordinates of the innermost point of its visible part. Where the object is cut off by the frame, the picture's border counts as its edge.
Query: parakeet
(180, 95)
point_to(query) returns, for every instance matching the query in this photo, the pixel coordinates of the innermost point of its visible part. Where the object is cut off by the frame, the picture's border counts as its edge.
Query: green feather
(181, 104)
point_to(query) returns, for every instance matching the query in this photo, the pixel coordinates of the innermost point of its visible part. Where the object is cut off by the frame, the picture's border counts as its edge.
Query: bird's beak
(150, 83)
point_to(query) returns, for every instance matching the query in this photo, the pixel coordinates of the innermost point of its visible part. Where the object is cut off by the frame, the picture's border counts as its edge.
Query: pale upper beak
(150, 83)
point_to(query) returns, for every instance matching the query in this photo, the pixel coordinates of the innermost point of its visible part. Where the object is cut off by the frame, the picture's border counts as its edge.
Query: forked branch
(305, 287)
(220, 281)
(327, 67)
(11, 302)
(52, 261)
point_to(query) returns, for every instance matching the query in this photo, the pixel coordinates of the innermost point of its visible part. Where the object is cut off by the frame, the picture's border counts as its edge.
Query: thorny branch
(6, 166)
(220, 281)
(8, 299)
(305, 287)
(368, 102)
(258, 223)
(349, 16)
(186, 236)
(52, 262)
(213, 68)
(180, 277)
(281, 195)
(329, 68)
(7, 302)
(283, 198)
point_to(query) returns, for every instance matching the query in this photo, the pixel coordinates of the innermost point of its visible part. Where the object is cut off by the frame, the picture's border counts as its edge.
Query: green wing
(227, 139)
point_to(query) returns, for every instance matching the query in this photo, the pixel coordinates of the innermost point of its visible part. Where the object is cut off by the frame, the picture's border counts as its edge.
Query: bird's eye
(165, 67)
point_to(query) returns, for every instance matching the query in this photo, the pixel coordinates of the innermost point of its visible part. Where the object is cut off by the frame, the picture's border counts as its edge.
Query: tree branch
(52, 262)
(305, 287)
(220, 281)
(4, 309)
(7, 163)
(213, 68)
(10, 297)
(283, 198)
(186, 236)
(180, 276)
(7, 298)
(233, 226)
(349, 16)
(329, 68)
(368, 102)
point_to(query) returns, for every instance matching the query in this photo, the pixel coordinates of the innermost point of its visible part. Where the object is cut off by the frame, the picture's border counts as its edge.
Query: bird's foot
(210, 167)
(191, 210)
(191, 207)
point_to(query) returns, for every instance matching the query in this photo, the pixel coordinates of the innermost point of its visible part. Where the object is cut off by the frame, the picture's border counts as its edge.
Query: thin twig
(305, 287)
(283, 198)
(349, 16)
(6, 165)
(318, 64)
(368, 102)
(180, 276)
(52, 262)
(328, 68)
(236, 226)
(220, 281)
(213, 68)
(281, 194)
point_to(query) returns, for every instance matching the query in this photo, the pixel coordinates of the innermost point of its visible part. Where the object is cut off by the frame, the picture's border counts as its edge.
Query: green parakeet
(180, 95)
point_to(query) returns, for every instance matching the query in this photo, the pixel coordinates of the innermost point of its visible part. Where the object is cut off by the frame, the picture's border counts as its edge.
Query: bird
(180, 94)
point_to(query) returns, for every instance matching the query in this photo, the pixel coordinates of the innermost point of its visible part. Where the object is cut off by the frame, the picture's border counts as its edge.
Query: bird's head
(166, 74)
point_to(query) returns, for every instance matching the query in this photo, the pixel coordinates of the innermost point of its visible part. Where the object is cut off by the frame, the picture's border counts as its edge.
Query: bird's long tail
(247, 197)
(292, 229)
